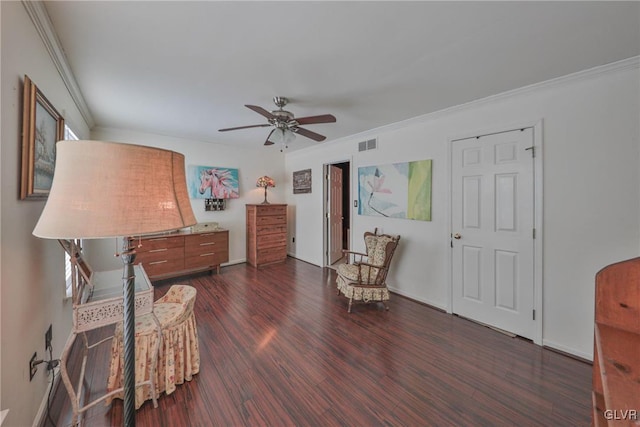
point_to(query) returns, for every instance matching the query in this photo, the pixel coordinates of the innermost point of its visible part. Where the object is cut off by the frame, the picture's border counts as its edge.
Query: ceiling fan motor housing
(282, 115)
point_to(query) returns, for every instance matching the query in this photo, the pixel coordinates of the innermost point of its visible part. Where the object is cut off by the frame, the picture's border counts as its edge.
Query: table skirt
(178, 358)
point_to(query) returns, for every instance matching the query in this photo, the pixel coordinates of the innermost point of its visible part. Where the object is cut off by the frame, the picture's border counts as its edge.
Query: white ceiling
(186, 69)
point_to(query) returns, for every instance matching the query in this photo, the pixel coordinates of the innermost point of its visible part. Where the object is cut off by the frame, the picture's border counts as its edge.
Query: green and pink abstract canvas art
(396, 190)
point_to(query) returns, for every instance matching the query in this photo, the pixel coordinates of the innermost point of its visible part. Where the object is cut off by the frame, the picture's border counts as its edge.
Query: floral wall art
(205, 182)
(396, 190)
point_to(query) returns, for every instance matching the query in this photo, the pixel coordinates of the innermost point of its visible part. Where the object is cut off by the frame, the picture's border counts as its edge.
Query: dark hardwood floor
(278, 348)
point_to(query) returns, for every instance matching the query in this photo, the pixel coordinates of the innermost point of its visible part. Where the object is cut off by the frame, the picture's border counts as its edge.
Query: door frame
(346, 184)
(537, 127)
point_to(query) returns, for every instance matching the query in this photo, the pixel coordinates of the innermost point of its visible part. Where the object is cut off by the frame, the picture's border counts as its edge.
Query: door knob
(457, 236)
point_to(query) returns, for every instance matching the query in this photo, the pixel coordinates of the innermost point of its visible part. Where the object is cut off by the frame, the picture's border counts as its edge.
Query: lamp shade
(107, 189)
(265, 181)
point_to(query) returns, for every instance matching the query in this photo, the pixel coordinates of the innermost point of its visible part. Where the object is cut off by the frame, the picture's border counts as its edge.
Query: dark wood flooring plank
(278, 348)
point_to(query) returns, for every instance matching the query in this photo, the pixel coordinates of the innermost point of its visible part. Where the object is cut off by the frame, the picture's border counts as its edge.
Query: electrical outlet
(33, 366)
(48, 337)
(293, 240)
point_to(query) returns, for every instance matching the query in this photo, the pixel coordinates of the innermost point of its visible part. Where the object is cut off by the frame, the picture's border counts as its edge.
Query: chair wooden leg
(349, 308)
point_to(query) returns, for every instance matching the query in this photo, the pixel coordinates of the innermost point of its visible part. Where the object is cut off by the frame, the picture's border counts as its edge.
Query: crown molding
(590, 73)
(40, 18)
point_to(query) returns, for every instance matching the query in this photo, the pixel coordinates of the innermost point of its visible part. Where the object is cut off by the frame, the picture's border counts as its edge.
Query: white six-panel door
(493, 230)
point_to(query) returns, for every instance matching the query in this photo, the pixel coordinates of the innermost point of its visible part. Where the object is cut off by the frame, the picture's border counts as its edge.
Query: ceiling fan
(285, 124)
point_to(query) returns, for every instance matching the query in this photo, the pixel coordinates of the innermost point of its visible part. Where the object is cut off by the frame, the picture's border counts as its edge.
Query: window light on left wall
(69, 135)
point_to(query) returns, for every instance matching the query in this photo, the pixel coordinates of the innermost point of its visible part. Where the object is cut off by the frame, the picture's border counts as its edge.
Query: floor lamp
(110, 190)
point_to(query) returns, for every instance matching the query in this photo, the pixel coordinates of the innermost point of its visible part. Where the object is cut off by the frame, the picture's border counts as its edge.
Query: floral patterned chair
(178, 358)
(363, 277)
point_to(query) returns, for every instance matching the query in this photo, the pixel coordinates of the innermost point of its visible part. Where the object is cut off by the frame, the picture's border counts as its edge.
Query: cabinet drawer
(272, 238)
(208, 259)
(271, 220)
(272, 210)
(164, 266)
(272, 255)
(161, 254)
(271, 229)
(160, 242)
(212, 247)
(271, 241)
(207, 239)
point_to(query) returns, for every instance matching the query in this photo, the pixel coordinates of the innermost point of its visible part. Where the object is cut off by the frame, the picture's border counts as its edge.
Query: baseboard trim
(303, 260)
(568, 351)
(438, 306)
(234, 262)
(41, 415)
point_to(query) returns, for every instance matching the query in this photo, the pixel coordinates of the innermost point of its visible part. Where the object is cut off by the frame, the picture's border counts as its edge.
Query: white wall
(251, 164)
(591, 152)
(591, 201)
(32, 274)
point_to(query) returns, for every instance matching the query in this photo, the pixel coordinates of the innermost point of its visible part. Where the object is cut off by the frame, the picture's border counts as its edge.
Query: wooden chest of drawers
(266, 234)
(170, 255)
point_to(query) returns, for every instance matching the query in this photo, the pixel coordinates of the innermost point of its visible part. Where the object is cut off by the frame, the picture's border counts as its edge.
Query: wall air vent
(370, 144)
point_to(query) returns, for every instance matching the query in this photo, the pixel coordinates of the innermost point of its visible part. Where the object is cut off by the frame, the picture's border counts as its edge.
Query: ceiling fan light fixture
(282, 135)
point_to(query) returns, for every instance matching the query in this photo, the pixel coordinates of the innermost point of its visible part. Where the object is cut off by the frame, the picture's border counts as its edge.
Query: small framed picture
(302, 181)
(42, 127)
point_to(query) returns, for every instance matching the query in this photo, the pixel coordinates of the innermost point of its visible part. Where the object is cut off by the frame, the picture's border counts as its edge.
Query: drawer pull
(209, 254)
(158, 262)
(157, 239)
(158, 250)
(208, 234)
(207, 243)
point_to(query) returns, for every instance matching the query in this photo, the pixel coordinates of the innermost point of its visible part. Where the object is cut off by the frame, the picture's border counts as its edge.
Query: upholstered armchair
(178, 356)
(363, 277)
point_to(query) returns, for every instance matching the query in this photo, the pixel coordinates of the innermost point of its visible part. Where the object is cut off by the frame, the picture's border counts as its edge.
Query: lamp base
(265, 197)
(129, 331)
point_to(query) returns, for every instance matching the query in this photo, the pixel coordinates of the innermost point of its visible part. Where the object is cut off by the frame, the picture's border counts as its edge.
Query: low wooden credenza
(176, 254)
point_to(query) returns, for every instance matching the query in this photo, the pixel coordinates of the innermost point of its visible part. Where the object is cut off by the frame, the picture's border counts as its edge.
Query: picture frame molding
(32, 97)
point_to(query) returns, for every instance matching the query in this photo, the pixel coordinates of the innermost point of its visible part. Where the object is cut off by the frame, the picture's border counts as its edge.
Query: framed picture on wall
(302, 181)
(396, 190)
(212, 182)
(42, 127)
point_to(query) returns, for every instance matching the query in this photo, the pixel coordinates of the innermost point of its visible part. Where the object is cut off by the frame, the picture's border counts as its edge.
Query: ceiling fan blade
(324, 118)
(261, 111)
(245, 127)
(309, 134)
(267, 142)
